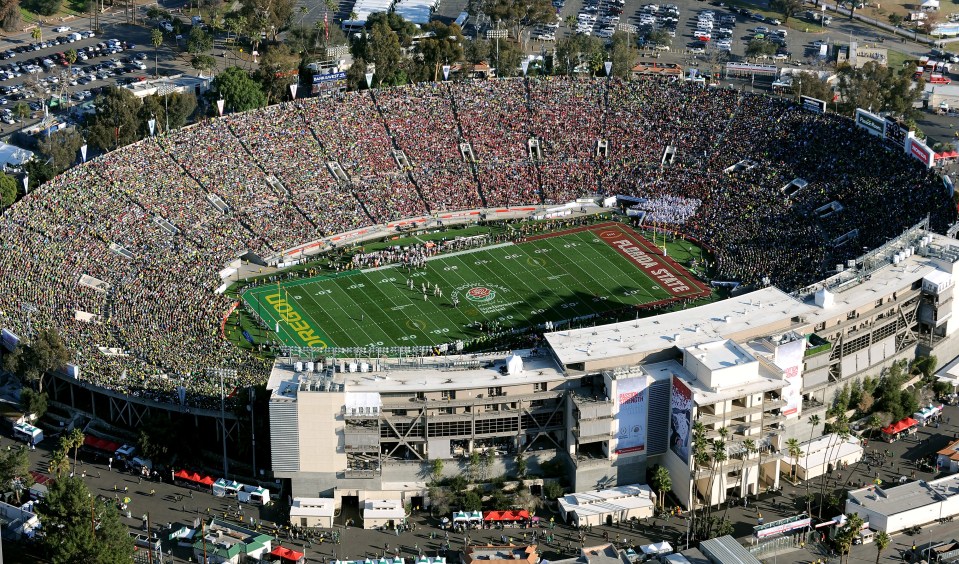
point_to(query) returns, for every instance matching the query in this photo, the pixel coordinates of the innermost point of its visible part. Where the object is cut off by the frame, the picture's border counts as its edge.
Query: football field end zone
(650, 254)
(272, 306)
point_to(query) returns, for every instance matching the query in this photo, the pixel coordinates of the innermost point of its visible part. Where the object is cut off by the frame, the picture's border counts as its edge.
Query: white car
(661, 47)
(61, 29)
(166, 26)
(697, 50)
(781, 57)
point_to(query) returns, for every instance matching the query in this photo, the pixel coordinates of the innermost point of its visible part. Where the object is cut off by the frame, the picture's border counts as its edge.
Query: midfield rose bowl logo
(480, 294)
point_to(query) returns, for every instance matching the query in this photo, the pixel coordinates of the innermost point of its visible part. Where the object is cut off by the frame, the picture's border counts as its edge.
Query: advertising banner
(870, 122)
(921, 152)
(789, 357)
(633, 402)
(680, 419)
(813, 104)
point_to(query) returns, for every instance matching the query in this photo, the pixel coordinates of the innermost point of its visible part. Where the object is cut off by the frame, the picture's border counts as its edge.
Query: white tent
(11, 156)
(930, 5)
(514, 365)
(657, 548)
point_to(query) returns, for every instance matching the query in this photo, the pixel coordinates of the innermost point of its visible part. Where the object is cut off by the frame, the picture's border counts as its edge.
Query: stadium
(426, 272)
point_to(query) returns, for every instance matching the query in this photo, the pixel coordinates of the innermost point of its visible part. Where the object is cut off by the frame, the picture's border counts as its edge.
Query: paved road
(173, 504)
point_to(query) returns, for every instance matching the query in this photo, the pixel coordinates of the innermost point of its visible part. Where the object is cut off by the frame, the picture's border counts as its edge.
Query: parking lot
(35, 70)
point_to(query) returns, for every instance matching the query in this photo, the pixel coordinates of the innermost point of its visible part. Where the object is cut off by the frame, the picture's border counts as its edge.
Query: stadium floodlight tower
(497, 34)
(223, 373)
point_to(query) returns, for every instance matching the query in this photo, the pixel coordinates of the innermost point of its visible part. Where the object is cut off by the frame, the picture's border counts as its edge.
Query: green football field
(558, 277)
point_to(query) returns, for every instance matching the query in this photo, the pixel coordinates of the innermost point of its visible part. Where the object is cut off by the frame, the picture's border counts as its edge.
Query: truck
(27, 433)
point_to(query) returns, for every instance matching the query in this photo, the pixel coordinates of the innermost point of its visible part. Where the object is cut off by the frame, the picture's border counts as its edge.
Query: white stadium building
(598, 399)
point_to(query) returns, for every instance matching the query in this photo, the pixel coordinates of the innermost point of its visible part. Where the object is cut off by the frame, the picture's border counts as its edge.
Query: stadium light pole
(496, 34)
(221, 372)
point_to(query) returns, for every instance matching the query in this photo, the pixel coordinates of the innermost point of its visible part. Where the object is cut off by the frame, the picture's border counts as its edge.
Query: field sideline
(560, 277)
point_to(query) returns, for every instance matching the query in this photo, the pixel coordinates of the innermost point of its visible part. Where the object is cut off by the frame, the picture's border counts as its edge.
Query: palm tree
(813, 423)
(74, 440)
(59, 464)
(37, 34)
(794, 451)
(749, 447)
(661, 482)
(22, 111)
(700, 460)
(882, 541)
(156, 37)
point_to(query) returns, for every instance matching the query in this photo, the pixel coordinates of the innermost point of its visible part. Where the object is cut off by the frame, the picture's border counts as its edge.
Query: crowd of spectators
(122, 254)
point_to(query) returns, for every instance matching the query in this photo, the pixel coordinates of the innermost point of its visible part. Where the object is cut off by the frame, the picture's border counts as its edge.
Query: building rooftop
(709, 322)
(717, 355)
(501, 554)
(727, 550)
(452, 372)
(764, 382)
(815, 452)
(912, 495)
(313, 506)
(601, 502)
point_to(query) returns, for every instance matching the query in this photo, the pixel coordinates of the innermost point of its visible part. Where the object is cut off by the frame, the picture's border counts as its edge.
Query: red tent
(900, 426)
(100, 444)
(182, 474)
(493, 516)
(287, 554)
(947, 155)
(206, 481)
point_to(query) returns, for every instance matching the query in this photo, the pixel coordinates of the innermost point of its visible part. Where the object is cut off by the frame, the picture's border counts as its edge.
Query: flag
(326, 25)
(233, 393)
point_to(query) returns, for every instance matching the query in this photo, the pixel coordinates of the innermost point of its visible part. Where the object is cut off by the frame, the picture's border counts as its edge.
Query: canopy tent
(100, 444)
(900, 426)
(465, 516)
(930, 5)
(287, 554)
(519, 515)
(224, 487)
(948, 155)
(193, 477)
(657, 548)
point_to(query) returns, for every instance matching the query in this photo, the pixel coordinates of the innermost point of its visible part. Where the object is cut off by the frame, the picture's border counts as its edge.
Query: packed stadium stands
(156, 318)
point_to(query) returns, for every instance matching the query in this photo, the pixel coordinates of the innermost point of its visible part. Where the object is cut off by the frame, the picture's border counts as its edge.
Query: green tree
(15, 470)
(36, 34)
(9, 188)
(661, 482)
(522, 466)
(508, 59)
(471, 501)
(380, 46)
(156, 37)
(61, 148)
(436, 469)
(279, 68)
(788, 8)
(553, 490)
(115, 122)
(46, 7)
(71, 56)
(760, 47)
(72, 440)
(174, 109)
(44, 353)
(70, 537)
(22, 111)
(273, 15)
(10, 15)
(405, 30)
(240, 92)
(813, 423)
(199, 41)
(846, 534)
(203, 63)
(236, 24)
(881, 88)
(895, 19)
(445, 46)
(33, 402)
(794, 451)
(576, 50)
(882, 541)
(520, 14)
(473, 465)
(59, 464)
(622, 54)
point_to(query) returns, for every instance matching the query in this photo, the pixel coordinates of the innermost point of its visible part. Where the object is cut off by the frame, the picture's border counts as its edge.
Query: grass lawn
(567, 276)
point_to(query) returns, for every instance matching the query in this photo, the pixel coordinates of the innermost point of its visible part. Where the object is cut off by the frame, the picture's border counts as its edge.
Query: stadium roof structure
(739, 318)
(608, 501)
(727, 550)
